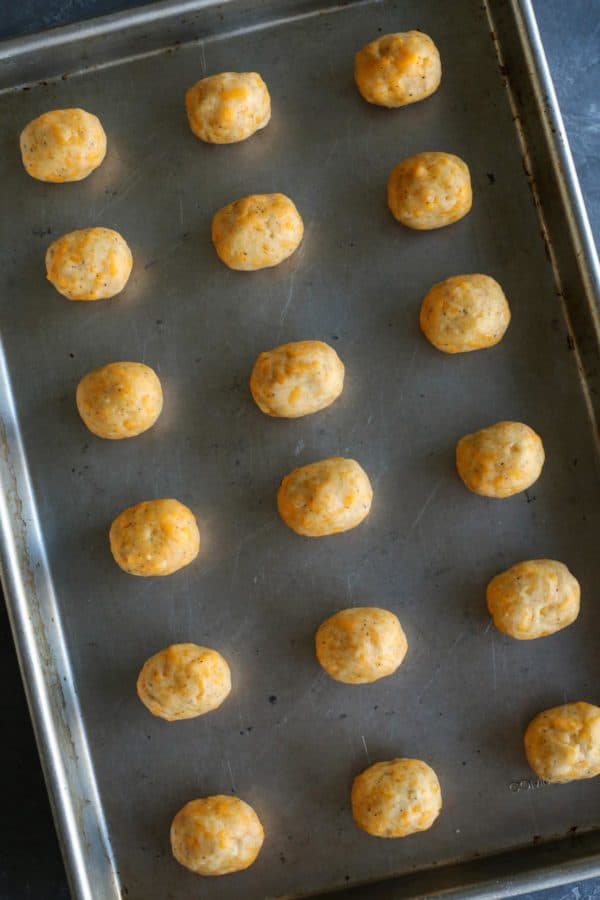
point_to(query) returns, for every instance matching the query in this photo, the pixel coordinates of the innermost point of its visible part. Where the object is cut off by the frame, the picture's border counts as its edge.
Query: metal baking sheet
(289, 740)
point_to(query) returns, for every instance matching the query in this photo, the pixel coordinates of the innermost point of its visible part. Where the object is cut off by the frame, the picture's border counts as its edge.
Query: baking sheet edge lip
(100, 25)
(560, 141)
(14, 47)
(570, 197)
(33, 673)
(539, 878)
(488, 887)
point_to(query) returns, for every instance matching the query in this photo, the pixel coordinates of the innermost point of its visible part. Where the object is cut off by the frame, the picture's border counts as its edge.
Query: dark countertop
(30, 863)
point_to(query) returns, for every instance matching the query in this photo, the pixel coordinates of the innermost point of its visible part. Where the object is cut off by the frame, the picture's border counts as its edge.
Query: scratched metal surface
(289, 740)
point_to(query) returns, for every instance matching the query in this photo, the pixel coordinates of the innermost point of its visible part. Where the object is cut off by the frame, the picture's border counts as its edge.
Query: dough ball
(297, 379)
(429, 190)
(533, 599)
(361, 645)
(396, 798)
(216, 835)
(63, 145)
(89, 264)
(156, 537)
(184, 681)
(257, 232)
(398, 69)
(563, 743)
(465, 312)
(119, 400)
(501, 460)
(226, 108)
(325, 497)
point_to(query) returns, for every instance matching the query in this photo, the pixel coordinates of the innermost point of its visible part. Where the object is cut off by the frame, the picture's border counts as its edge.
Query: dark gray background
(30, 865)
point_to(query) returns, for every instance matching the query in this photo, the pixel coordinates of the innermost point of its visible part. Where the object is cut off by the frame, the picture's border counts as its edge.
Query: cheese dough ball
(396, 798)
(63, 145)
(156, 537)
(501, 460)
(361, 644)
(119, 400)
(325, 497)
(183, 681)
(297, 379)
(465, 312)
(226, 108)
(89, 264)
(533, 599)
(563, 743)
(398, 69)
(429, 190)
(216, 835)
(257, 232)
